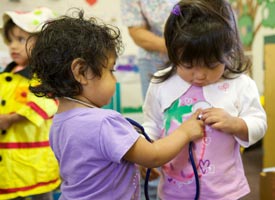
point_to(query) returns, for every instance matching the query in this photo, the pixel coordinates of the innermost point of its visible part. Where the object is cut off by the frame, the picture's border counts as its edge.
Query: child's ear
(77, 70)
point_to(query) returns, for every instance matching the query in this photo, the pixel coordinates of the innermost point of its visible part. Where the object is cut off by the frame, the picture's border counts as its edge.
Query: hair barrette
(176, 10)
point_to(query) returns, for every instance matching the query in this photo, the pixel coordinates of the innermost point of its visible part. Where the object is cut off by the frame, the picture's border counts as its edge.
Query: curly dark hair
(204, 31)
(63, 40)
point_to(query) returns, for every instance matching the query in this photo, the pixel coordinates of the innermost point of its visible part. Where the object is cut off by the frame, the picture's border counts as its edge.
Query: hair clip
(176, 10)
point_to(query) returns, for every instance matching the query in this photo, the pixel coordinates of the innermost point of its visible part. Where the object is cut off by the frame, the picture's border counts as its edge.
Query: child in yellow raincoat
(27, 164)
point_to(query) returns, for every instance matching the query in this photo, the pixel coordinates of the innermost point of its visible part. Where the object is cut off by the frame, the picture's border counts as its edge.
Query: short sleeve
(38, 109)
(152, 113)
(117, 136)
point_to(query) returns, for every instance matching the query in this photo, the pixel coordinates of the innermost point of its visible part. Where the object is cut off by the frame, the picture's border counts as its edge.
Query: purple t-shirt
(89, 144)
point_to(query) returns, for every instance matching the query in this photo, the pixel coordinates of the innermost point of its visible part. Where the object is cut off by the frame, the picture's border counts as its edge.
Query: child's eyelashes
(213, 65)
(209, 65)
(187, 65)
(21, 40)
(113, 68)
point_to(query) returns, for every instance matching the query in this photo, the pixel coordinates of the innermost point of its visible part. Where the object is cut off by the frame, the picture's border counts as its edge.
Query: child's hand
(219, 119)
(5, 121)
(193, 127)
(153, 175)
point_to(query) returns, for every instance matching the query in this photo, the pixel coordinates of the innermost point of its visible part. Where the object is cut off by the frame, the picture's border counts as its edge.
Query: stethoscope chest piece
(200, 105)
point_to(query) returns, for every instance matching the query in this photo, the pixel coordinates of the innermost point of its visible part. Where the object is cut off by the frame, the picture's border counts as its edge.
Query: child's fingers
(154, 174)
(197, 114)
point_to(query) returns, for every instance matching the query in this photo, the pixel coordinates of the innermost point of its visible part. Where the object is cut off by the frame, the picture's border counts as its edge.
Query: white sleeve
(251, 112)
(153, 116)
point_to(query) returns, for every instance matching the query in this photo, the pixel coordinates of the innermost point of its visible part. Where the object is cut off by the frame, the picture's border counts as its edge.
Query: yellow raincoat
(27, 164)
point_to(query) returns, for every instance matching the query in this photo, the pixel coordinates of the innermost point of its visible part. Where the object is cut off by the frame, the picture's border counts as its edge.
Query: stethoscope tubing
(142, 131)
(191, 157)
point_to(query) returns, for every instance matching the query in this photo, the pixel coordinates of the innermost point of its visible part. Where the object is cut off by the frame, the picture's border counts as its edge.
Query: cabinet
(269, 93)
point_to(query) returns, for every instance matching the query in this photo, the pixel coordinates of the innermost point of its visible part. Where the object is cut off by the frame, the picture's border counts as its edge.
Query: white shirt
(239, 97)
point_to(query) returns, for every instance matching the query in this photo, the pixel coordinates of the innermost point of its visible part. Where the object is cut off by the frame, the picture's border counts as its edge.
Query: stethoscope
(140, 129)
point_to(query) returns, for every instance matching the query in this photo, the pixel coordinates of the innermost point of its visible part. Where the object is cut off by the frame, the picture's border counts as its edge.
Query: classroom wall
(257, 54)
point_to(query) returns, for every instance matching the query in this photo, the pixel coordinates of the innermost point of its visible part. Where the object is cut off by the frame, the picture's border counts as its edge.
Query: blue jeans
(146, 68)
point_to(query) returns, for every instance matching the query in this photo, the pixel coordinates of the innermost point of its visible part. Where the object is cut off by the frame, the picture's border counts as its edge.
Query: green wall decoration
(246, 11)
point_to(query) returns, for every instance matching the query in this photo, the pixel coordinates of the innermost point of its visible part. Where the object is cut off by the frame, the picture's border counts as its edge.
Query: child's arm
(7, 120)
(250, 124)
(147, 39)
(163, 150)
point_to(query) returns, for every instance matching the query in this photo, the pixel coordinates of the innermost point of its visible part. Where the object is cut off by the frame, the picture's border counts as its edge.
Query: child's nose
(200, 73)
